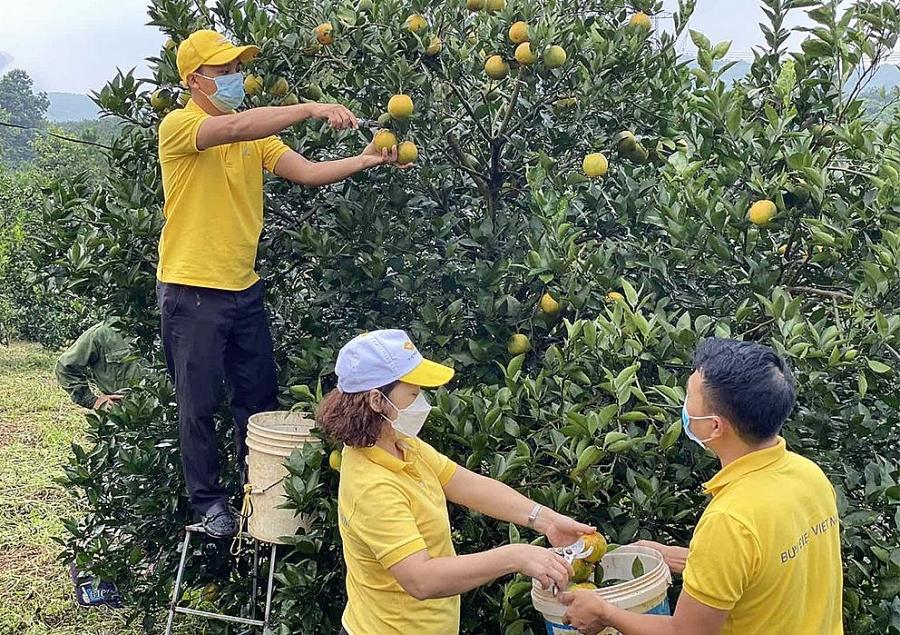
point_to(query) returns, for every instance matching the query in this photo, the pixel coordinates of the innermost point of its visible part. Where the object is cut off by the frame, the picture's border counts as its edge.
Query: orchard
(585, 205)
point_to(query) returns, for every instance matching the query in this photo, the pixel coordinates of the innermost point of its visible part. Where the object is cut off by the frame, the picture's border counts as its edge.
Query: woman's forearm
(489, 497)
(446, 577)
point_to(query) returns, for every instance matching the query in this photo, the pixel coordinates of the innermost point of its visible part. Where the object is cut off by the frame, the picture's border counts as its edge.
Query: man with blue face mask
(765, 557)
(214, 324)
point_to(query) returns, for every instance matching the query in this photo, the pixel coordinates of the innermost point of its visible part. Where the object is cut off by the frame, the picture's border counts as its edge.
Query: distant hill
(71, 107)
(887, 76)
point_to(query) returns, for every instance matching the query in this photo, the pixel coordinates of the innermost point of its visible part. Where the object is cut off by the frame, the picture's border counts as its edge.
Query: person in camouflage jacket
(102, 359)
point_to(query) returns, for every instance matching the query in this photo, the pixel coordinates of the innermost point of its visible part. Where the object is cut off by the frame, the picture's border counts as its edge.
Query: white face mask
(410, 420)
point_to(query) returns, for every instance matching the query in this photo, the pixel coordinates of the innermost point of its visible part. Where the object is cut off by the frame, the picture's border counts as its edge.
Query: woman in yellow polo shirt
(403, 574)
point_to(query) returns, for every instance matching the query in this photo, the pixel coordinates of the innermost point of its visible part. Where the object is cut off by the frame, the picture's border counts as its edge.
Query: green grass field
(38, 424)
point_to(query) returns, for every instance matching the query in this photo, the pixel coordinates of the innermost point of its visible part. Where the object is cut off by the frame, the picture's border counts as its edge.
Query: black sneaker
(220, 521)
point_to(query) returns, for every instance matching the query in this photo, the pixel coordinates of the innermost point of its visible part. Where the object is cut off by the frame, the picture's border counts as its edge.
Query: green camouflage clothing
(100, 357)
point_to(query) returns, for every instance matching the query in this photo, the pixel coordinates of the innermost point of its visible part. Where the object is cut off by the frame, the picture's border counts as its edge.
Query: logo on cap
(409, 346)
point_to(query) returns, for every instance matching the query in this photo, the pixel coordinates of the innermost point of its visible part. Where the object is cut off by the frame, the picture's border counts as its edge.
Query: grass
(38, 424)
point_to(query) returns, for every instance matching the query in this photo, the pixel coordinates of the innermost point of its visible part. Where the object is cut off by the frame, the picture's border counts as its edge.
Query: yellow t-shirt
(767, 547)
(390, 509)
(213, 204)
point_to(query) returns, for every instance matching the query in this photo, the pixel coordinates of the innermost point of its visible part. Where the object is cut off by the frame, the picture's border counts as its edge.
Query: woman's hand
(545, 566)
(561, 530)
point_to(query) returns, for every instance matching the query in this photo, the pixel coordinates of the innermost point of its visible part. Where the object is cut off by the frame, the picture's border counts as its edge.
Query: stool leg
(177, 589)
(270, 587)
(255, 594)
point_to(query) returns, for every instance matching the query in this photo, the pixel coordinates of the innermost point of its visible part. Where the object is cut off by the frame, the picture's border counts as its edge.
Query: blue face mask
(229, 91)
(686, 425)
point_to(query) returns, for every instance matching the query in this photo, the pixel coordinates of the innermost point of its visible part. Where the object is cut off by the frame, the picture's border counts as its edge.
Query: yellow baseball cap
(208, 47)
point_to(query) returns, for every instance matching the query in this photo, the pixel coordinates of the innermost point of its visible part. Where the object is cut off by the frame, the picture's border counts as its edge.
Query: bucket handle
(237, 544)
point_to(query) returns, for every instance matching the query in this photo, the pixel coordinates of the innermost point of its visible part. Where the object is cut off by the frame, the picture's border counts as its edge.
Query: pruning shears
(573, 552)
(369, 123)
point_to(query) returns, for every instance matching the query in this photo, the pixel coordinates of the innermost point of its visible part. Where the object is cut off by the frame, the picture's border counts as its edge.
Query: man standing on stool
(214, 324)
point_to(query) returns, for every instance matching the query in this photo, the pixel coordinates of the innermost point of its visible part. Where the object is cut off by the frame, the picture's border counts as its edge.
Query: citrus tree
(586, 206)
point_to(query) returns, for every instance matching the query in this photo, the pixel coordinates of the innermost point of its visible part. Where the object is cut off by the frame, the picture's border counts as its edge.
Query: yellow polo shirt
(213, 204)
(767, 548)
(389, 509)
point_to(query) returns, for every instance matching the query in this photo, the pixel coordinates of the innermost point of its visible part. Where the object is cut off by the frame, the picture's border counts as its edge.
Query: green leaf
(637, 568)
(699, 40)
(878, 367)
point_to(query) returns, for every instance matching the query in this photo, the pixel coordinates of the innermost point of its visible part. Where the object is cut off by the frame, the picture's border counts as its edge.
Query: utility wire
(58, 136)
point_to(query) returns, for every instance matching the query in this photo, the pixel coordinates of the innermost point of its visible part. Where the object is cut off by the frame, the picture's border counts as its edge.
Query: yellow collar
(745, 465)
(387, 460)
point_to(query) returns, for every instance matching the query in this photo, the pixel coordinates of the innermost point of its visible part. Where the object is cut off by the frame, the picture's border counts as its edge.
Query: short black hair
(748, 383)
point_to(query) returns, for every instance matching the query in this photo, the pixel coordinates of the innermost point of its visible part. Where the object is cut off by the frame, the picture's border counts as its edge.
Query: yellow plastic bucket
(644, 594)
(271, 437)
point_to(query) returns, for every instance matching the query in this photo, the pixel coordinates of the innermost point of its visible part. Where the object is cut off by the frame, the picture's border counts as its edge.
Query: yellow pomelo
(582, 586)
(475, 5)
(549, 305)
(518, 32)
(280, 88)
(493, 6)
(762, 212)
(334, 460)
(496, 67)
(160, 100)
(584, 570)
(555, 56)
(595, 165)
(598, 543)
(325, 33)
(640, 20)
(435, 46)
(252, 84)
(416, 23)
(290, 100)
(400, 106)
(407, 152)
(384, 140)
(524, 56)
(518, 344)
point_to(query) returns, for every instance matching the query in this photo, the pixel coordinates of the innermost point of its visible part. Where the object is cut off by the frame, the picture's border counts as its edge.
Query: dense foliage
(460, 250)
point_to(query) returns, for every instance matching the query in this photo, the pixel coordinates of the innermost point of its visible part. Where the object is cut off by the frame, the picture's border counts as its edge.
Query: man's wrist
(369, 161)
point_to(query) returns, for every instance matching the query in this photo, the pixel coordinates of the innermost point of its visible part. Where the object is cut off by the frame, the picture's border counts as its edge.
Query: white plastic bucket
(644, 594)
(271, 437)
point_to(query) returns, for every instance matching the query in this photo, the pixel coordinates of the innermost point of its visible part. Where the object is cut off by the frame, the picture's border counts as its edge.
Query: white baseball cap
(379, 358)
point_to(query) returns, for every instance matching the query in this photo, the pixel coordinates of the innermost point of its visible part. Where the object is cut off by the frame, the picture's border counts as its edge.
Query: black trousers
(210, 337)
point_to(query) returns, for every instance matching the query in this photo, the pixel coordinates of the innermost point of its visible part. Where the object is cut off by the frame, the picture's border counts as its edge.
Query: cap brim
(429, 374)
(243, 53)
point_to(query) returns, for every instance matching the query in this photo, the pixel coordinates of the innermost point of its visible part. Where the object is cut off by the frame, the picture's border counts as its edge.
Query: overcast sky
(75, 46)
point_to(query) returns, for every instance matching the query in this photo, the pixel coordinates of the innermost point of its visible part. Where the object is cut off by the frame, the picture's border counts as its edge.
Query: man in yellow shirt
(214, 324)
(765, 557)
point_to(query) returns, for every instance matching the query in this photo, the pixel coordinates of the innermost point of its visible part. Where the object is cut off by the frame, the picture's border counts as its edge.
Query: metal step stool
(252, 622)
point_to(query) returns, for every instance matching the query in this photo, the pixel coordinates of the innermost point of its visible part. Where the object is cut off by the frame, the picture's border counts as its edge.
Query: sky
(74, 46)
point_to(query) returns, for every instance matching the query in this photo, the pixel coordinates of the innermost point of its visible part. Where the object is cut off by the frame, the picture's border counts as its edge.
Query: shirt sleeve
(178, 133)
(722, 561)
(272, 148)
(384, 521)
(73, 367)
(439, 464)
